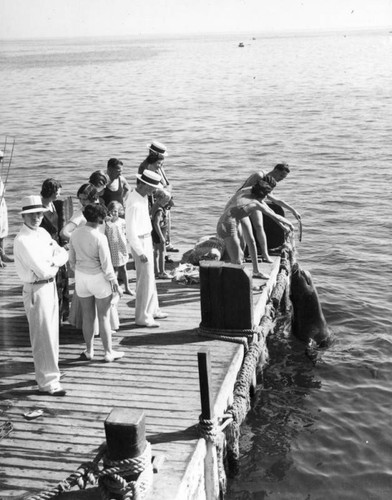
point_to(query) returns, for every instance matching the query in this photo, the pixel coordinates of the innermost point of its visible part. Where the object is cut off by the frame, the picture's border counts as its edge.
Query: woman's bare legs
(233, 249)
(123, 276)
(251, 243)
(103, 309)
(258, 225)
(234, 245)
(160, 258)
(88, 312)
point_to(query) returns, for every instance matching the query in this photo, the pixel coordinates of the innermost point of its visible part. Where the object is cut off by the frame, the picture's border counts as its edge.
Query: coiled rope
(111, 479)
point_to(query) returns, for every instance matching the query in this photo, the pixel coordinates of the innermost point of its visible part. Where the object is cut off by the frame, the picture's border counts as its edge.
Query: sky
(76, 18)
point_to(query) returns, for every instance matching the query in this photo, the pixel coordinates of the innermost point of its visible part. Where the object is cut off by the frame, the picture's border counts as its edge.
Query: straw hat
(32, 204)
(158, 148)
(150, 178)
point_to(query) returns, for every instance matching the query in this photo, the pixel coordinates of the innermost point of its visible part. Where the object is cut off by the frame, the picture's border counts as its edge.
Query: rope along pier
(110, 478)
(224, 432)
(129, 477)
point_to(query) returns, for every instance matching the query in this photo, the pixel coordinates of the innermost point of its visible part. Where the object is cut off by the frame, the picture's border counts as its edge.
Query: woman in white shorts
(95, 280)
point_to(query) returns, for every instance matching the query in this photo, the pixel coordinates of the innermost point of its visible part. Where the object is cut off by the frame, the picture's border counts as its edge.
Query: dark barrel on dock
(225, 296)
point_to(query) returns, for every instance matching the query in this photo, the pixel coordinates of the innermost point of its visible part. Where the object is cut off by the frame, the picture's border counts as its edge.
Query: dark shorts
(155, 237)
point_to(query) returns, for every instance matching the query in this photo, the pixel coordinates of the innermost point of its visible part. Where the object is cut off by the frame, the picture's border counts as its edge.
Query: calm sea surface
(321, 103)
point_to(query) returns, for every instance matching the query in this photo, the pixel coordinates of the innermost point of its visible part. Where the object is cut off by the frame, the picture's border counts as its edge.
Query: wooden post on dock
(211, 472)
(125, 437)
(125, 431)
(226, 297)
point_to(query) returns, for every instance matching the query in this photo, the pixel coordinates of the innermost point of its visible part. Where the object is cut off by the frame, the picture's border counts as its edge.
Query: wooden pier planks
(158, 375)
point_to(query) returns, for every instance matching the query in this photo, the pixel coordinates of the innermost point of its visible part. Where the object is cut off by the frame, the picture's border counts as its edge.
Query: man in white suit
(138, 228)
(37, 260)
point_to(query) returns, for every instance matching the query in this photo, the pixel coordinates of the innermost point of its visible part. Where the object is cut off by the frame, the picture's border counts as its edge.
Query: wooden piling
(125, 431)
(204, 363)
(211, 471)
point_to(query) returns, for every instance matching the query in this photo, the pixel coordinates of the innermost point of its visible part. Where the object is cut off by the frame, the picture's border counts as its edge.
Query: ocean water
(321, 102)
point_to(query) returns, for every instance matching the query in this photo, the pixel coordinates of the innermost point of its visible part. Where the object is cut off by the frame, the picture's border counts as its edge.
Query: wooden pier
(158, 375)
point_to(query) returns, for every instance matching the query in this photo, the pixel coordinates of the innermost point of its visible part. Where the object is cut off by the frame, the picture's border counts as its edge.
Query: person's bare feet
(261, 275)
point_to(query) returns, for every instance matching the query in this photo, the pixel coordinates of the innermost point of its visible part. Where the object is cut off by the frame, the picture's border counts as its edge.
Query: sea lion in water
(308, 323)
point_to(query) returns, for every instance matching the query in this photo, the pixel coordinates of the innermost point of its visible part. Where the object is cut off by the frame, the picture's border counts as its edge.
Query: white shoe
(150, 324)
(160, 315)
(56, 390)
(113, 356)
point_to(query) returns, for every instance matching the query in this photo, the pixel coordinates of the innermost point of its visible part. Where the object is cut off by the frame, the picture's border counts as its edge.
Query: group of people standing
(94, 242)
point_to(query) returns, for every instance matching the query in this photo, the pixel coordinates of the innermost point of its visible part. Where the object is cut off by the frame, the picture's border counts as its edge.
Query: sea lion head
(301, 280)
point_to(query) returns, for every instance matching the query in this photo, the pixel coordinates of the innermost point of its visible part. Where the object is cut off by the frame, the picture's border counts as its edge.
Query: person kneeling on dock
(245, 202)
(139, 228)
(37, 260)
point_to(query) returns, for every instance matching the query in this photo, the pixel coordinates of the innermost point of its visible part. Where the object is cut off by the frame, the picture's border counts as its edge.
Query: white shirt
(89, 252)
(137, 219)
(37, 255)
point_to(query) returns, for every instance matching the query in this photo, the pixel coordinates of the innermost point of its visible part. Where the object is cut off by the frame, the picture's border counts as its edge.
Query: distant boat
(241, 44)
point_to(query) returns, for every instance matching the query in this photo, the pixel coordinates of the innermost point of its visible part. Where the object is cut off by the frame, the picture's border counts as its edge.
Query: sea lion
(308, 322)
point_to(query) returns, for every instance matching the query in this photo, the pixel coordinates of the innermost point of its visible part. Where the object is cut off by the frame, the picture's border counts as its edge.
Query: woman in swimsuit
(232, 228)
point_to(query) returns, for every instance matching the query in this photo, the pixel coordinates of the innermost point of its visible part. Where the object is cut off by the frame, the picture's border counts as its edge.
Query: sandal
(261, 275)
(85, 357)
(170, 248)
(163, 276)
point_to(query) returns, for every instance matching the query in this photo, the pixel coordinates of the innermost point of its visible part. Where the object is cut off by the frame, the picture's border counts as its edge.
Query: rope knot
(208, 429)
(130, 477)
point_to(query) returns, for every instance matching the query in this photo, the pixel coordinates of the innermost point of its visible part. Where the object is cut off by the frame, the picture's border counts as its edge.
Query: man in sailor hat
(157, 153)
(37, 260)
(138, 229)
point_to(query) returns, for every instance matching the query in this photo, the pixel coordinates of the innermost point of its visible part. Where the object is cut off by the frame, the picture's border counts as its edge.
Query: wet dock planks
(158, 375)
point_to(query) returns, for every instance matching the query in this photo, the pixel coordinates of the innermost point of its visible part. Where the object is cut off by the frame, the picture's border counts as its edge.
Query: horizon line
(265, 33)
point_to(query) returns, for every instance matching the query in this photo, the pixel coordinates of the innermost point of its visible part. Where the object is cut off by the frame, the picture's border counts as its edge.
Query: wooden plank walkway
(158, 375)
